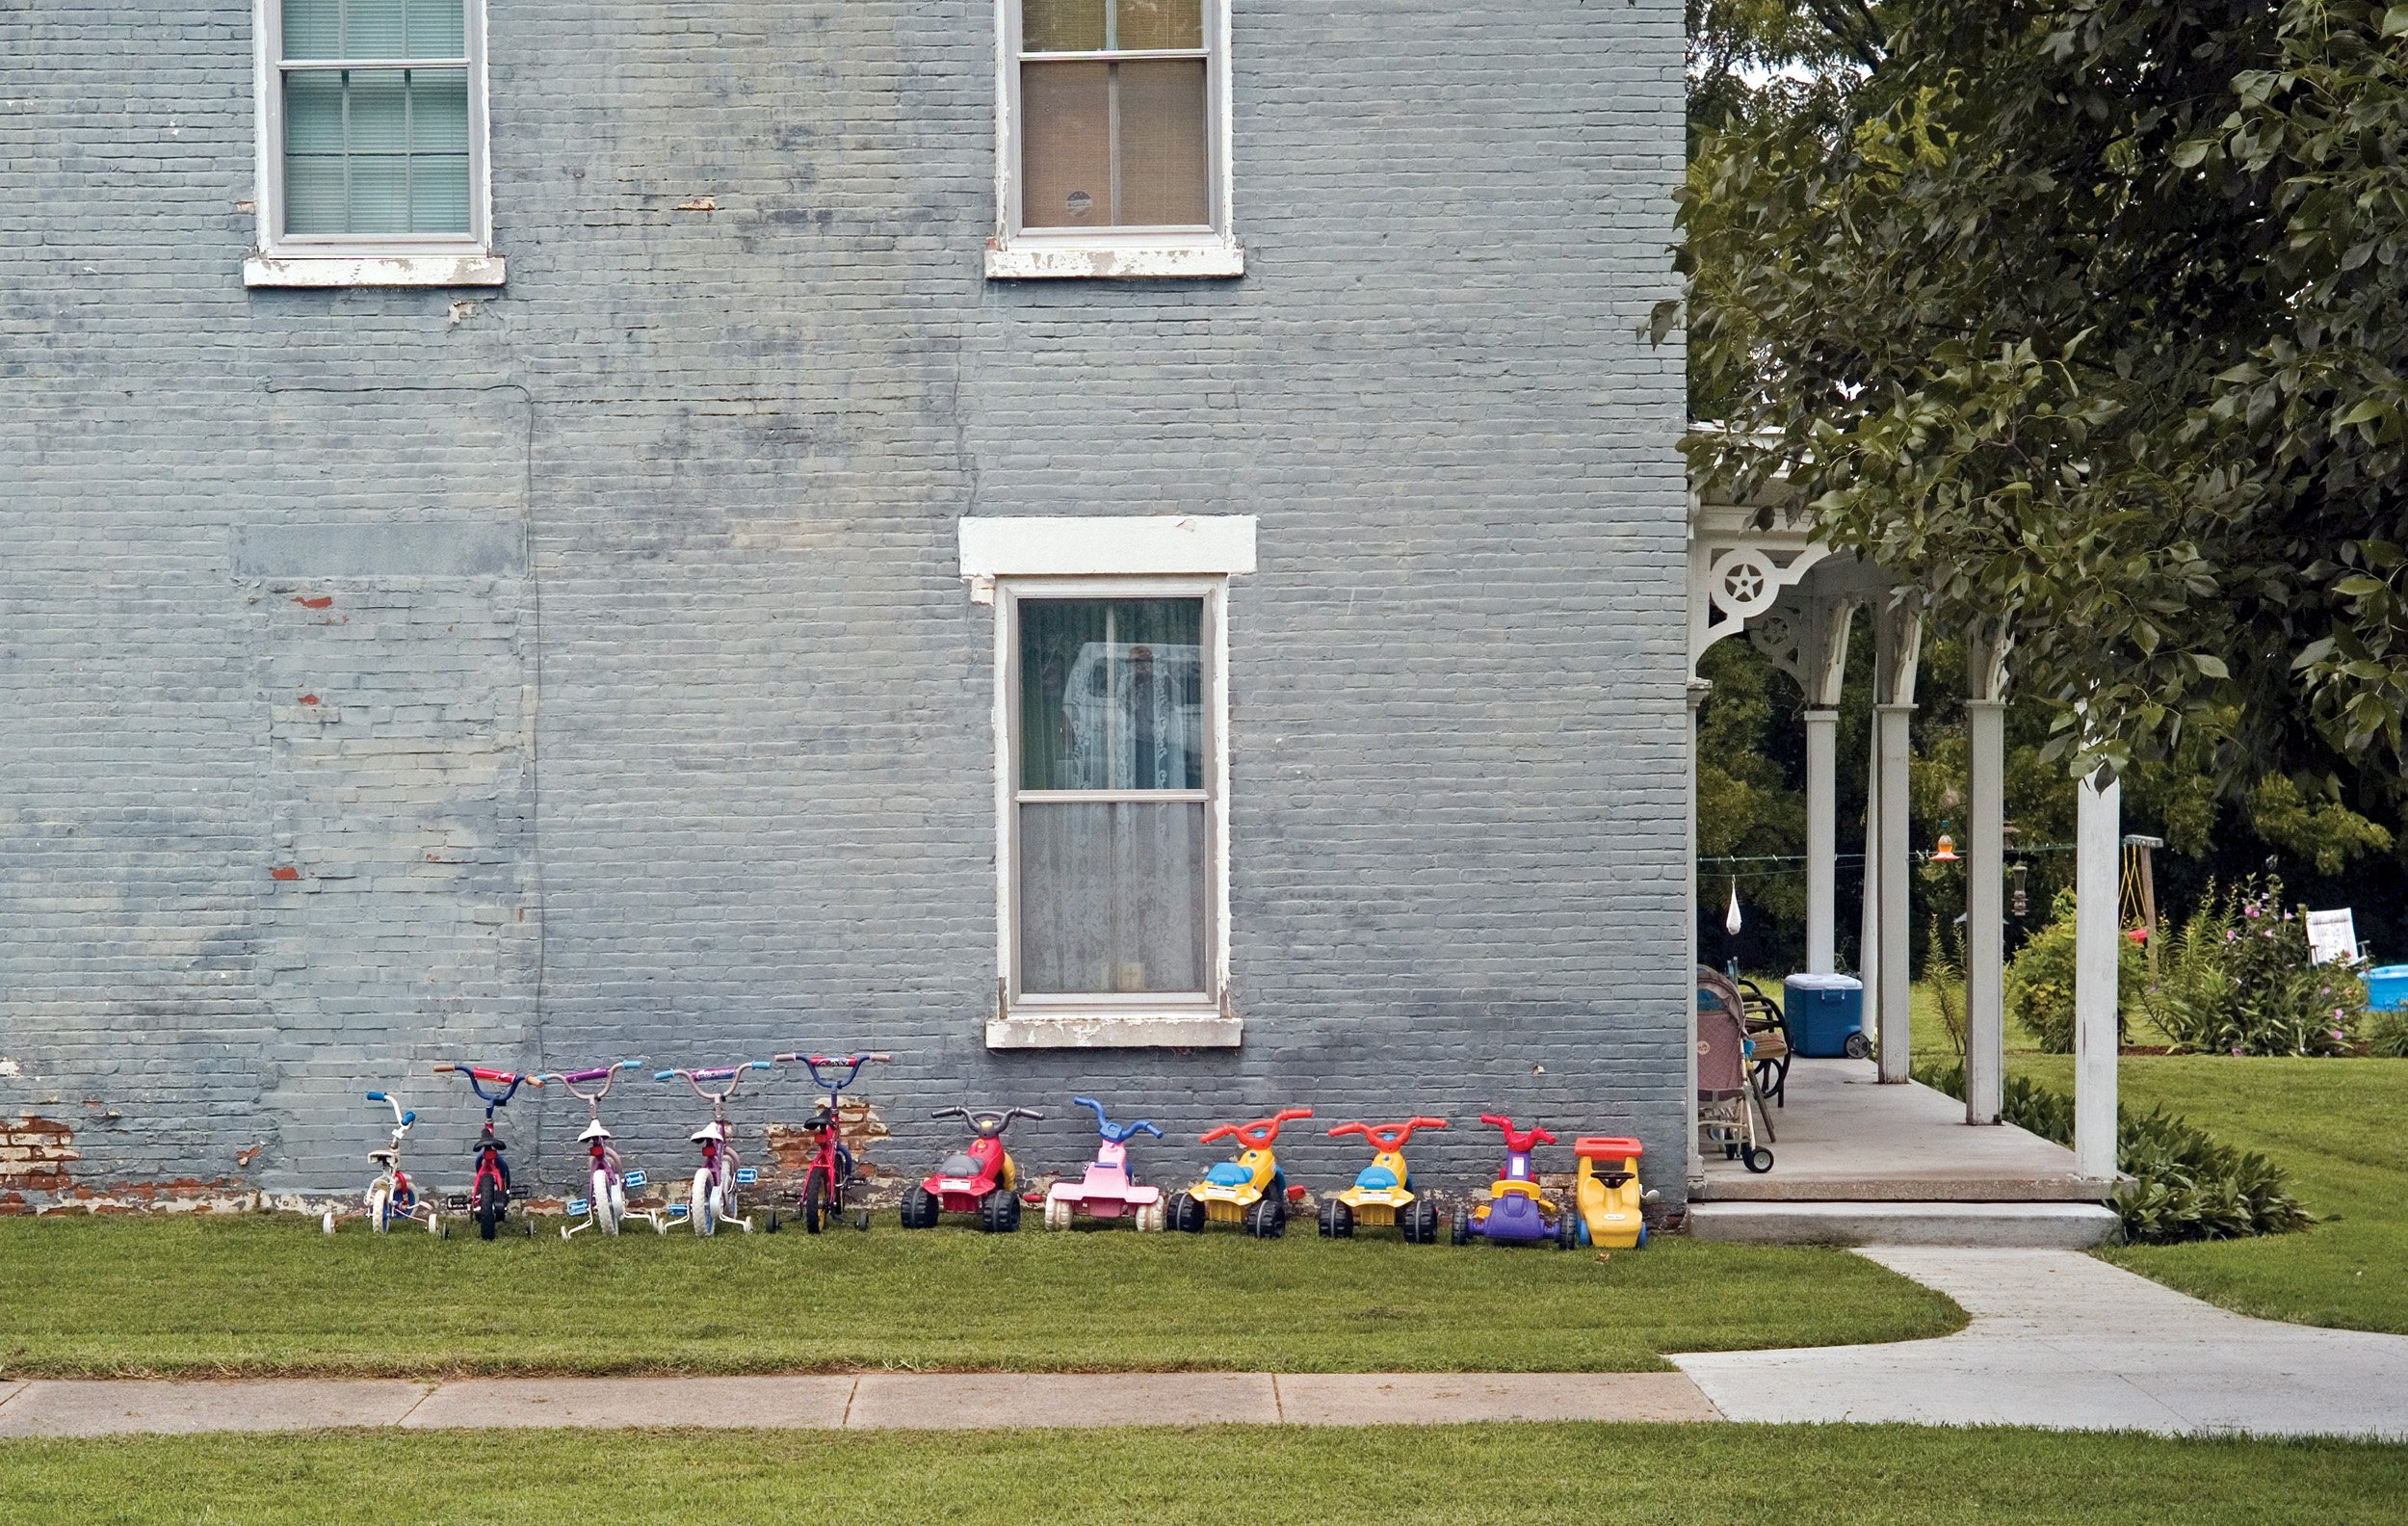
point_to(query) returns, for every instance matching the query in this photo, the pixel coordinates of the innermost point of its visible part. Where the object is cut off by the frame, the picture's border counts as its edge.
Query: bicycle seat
(489, 1143)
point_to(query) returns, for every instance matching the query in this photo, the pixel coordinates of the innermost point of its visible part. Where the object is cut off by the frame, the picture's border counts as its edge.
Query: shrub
(2040, 980)
(2184, 1185)
(2387, 1035)
(2238, 978)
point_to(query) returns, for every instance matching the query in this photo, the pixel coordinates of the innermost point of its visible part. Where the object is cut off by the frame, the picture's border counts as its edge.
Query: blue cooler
(2387, 987)
(1826, 1015)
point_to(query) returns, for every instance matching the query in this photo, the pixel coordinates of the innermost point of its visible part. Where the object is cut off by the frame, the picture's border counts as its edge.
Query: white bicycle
(392, 1197)
(605, 1205)
(713, 1200)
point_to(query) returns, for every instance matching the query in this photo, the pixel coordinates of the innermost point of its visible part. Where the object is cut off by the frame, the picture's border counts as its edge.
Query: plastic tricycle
(828, 1179)
(604, 1207)
(1108, 1189)
(1382, 1193)
(1514, 1212)
(392, 1197)
(975, 1180)
(1607, 1193)
(1250, 1190)
(489, 1189)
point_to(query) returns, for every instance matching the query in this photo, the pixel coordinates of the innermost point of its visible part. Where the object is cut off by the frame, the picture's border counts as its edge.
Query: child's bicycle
(827, 1179)
(392, 1197)
(489, 1192)
(605, 1207)
(713, 1200)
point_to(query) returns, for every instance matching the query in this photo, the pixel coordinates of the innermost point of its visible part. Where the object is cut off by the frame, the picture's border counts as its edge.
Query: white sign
(2333, 937)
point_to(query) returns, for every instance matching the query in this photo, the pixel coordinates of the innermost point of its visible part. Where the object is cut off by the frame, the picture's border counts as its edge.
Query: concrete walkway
(2068, 1342)
(868, 1402)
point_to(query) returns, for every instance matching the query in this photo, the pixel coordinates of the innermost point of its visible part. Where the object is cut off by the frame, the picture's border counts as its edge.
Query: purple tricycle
(1108, 1191)
(1514, 1213)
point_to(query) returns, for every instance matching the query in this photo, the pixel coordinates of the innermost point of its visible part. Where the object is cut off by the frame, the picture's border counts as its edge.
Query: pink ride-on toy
(1108, 1191)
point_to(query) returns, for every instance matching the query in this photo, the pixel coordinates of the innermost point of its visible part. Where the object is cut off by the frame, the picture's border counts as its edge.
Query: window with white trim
(371, 143)
(1114, 139)
(1111, 830)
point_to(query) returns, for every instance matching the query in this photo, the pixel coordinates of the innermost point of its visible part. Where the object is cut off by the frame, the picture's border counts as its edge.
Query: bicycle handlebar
(733, 1076)
(401, 1119)
(1518, 1138)
(1116, 1133)
(1389, 1136)
(853, 1065)
(1259, 1134)
(508, 1080)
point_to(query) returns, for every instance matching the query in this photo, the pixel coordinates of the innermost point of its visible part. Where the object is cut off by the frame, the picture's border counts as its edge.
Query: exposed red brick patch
(284, 871)
(322, 601)
(309, 699)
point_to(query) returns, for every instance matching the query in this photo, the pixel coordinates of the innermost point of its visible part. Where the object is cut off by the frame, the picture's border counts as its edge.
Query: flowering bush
(2238, 978)
(2040, 980)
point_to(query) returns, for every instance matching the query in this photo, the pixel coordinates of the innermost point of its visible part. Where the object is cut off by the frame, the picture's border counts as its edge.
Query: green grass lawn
(269, 1294)
(2341, 1128)
(1527, 1475)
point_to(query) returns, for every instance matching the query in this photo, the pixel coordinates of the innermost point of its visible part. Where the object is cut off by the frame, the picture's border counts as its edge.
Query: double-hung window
(1114, 140)
(372, 144)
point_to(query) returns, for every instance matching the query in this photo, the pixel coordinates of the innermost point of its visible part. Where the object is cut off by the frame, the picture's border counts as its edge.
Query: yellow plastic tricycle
(1247, 1191)
(1383, 1192)
(1607, 1194)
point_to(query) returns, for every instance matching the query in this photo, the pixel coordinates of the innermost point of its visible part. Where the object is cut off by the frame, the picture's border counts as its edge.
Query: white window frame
(1024, 253)
(384, 259)
(1007, 561)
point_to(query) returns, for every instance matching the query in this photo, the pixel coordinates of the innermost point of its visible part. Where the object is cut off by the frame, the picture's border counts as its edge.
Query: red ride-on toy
(976, 1180)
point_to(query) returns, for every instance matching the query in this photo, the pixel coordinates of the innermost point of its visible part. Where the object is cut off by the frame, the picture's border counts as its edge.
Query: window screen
(375, 117)
(1114, 118)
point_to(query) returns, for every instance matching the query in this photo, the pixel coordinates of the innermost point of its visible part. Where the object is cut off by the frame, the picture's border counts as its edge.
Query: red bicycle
(828, 1179)
(489, 1190)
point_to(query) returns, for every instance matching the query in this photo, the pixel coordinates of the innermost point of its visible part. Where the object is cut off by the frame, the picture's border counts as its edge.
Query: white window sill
(397, 270)
(1171, 259)
(1199, 1029)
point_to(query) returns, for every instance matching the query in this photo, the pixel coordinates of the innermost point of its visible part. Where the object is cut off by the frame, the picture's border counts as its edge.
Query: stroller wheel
(1758, 1159)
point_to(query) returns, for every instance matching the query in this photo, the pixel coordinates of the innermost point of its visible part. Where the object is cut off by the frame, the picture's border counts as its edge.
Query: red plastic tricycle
(975, 1180)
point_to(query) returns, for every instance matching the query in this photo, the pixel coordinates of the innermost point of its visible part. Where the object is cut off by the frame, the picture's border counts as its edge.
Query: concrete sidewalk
(868, 1402)
(2065, 1341)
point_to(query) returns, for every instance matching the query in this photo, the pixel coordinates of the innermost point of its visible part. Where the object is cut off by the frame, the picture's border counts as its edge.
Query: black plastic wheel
(1568, 1229)
(919, 1207)
(1758, 1159)
(1858, 1047)
(770, 1228)
(1267, 1219)
(861, 1220)
(1463, 1228)
(488, 1209)
(999, 1212)
(814, 1202)
(1420, 1223)
(1337, 1219)
(1186, 1214)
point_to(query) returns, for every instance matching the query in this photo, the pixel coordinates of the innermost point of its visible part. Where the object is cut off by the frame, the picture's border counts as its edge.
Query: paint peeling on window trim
(1173, 261)
(398, 270)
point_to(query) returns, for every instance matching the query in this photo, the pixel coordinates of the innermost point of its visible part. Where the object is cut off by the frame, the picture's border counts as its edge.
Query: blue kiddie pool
(2387, 987)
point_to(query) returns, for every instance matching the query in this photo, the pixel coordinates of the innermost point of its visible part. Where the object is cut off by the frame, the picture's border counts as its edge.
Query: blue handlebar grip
(629, 1064)
(377, 1097)
(409, 1118)
(760, 1064)
(663, 1075)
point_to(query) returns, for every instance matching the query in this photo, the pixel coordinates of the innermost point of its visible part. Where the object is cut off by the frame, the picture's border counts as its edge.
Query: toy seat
(1376, 1178)
(960, 1165)
(1229, 1173)
(1511, 1187)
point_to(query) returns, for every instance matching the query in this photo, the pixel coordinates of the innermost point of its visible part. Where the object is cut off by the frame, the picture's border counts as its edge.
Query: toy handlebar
(732, 1074)
(988, 1125)
(597, 1074)
(401, 1119)
(1388, 1136)
(1518, 1138)
(1259, 1134)
(508, 1080)
(1116, 1133)
(853, 1065)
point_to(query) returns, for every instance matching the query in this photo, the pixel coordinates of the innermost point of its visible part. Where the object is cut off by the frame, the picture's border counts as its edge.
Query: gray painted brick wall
(640, 710)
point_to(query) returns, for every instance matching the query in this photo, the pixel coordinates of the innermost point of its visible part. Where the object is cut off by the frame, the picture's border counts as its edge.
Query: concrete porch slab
(982, 1401)
(48, 1407)
(2024, 1226)
(1457, 1398)
(1846, 1138)
(803, 1403)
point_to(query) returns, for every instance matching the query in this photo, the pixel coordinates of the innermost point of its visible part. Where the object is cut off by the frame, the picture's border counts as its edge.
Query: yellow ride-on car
(1383, 1192)
(1247, 1191)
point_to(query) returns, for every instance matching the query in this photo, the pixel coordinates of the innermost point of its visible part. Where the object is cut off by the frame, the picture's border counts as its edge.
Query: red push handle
(1388, 1136)
(1518, 1138)
(1259, 1134)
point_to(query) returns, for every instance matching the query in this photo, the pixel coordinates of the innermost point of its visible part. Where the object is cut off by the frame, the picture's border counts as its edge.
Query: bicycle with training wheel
(392, 1197)
(714, 1199)
(489, 1193)
(827, 1182)
(605, 1205)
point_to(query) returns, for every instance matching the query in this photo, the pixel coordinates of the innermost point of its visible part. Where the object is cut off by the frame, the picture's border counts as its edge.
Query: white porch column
(2098, 838)
(1897, 638)
(1869, 914)
(1985, 866)
(1822, 830)
(1696, 1167)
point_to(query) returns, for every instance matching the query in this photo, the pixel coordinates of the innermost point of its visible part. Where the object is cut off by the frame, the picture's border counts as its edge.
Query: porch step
(2000, 1225)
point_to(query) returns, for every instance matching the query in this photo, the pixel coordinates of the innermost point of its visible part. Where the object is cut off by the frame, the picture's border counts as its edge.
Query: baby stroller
(1730, 1109)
